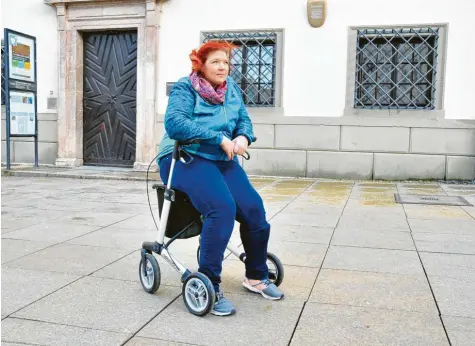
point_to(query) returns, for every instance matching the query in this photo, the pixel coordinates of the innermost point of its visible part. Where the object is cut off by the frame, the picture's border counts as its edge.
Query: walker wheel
(276, 269)
(198, 294)
(149, 274)
(198, 255)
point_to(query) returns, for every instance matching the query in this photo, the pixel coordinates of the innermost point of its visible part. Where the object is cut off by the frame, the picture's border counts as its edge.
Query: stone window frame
(279, 64)
(437, 112)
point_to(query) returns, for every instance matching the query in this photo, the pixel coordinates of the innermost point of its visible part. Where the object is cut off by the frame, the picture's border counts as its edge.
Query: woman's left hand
(240, 145)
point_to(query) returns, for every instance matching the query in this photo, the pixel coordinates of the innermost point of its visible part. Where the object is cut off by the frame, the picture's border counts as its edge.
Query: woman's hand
(240, 145)
(228, 147)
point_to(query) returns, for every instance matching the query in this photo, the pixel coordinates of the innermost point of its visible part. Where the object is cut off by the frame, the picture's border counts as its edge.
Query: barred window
(253, 64)
(3, 75)
(396, 68)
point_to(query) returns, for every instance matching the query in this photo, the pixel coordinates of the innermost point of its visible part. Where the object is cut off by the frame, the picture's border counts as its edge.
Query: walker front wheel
(149, 273)
(276, 269)
(198, 294)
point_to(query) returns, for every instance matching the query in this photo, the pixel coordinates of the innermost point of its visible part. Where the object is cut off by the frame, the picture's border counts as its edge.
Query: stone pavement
(360, 269)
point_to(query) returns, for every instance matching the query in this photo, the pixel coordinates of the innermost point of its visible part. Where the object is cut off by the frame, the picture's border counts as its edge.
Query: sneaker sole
(217, 313)
(255, 290)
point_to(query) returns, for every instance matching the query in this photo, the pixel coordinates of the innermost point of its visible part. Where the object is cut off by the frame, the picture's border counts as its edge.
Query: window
(396, 68)
(3, 76)
(253, 64)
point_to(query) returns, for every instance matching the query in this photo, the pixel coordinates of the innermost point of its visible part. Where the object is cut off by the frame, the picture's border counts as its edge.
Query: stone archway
(76, 17)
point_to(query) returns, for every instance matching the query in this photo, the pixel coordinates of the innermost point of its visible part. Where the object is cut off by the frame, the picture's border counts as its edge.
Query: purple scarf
(206, 90)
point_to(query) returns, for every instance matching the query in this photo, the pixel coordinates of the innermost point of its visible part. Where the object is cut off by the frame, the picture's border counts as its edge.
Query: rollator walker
(180, 220)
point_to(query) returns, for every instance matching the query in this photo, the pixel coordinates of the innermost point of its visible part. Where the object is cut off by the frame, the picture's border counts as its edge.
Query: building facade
(381, 90)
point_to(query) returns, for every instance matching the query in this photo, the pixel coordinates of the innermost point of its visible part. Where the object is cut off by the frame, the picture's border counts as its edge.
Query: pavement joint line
(427, 278)
(23, 343)
(181, 342)
(66, 325)
(472, 216)
(150, 320)
(321, 265)
(375, 248)
(368, 272)
(373, 308)
(449, 253)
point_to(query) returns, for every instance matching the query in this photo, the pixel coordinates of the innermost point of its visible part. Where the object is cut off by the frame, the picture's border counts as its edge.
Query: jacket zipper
(226, 117)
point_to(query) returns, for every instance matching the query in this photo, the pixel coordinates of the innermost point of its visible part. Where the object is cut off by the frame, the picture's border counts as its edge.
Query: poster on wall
(22, 113)
(21, 57)
(20, 88)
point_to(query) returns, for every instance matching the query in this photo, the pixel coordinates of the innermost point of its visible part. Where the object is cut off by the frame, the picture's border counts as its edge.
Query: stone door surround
(78, 16)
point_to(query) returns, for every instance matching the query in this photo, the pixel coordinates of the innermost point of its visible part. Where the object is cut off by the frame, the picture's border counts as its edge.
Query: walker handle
(178, 144)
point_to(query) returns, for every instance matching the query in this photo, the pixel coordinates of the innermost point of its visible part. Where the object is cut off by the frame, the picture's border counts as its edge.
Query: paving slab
(141, 198)
(41, 333)
(21, 287)
(140, 222)
(380, 221)
(373, 239)
(323, 324)
(68, 258)
(376, 290)
(127, 269)
(113, 237)
(447, 243)
(298, 254)
(301, 234)
(94, 218)
(442, 226)
(449, 265)
(55, 203)
(14, 248)
(297, 284)
(373, 260)
(17, 218)
(126, 208)
(437, 212)
(307, 202)
(108, 305)
(455, 297)
(51, 232)
(254, 315)
(325, 218)
(461, 330)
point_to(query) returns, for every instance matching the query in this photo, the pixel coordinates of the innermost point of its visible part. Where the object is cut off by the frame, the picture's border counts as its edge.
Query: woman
(208, 105)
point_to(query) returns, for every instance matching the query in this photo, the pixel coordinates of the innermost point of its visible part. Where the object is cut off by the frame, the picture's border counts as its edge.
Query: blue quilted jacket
(189, 116)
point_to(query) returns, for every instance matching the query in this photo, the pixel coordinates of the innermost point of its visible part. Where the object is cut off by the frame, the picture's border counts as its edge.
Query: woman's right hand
(228, 147)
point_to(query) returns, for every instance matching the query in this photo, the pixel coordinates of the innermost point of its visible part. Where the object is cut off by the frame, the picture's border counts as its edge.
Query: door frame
(76, 18)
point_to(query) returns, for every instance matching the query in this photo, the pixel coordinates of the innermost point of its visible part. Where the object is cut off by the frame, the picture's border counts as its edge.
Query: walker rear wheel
(198, 294)
(149, 274)
(276, 269)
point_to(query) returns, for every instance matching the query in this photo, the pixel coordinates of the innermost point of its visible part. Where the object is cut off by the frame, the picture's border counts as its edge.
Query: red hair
(198, 58)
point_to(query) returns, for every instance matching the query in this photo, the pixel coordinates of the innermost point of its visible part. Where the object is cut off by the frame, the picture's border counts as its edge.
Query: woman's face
(216, 68)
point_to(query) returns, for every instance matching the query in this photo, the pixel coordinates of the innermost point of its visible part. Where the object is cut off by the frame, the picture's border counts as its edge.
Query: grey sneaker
(222, 307)
(270, 290)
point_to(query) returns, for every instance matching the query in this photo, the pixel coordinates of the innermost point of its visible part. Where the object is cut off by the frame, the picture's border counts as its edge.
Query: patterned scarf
(206, 90)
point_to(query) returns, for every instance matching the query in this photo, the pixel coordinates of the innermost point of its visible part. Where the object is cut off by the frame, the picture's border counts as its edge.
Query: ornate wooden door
(109, 102)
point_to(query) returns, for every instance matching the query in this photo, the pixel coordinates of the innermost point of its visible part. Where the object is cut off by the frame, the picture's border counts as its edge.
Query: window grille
(253, 64)
(396, 68)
